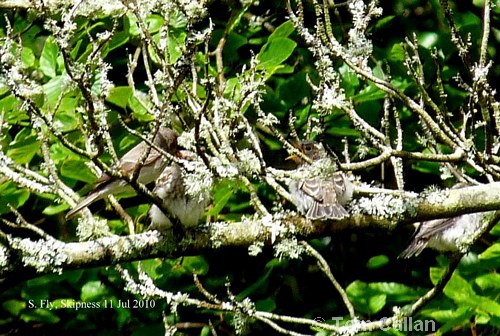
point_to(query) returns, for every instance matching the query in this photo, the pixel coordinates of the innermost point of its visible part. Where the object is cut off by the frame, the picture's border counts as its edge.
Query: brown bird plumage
(154, 164)
(182, 206)
(320, 197)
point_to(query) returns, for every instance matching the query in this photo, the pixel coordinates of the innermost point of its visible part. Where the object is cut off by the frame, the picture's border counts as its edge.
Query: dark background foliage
(364, 261)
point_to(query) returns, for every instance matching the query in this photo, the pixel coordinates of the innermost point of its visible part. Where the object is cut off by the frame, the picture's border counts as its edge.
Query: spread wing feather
(324, 195)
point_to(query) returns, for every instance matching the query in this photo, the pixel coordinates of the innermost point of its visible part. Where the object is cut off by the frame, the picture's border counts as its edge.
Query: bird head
(311, 149)
(166, 139)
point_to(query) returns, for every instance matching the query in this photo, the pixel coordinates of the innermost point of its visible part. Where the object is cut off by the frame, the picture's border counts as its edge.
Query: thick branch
(152, 244)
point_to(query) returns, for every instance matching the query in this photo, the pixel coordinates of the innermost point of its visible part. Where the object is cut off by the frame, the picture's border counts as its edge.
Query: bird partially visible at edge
(153, 165)
(321, 197)
(444, 235)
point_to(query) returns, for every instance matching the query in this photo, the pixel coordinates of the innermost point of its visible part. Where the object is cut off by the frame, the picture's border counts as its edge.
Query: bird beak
(296, 158)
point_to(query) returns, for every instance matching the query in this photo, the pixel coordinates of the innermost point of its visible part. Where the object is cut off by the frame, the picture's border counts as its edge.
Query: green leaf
(175, 46)
(366, 299)
(459, 290)
(396, 54)
(369, 93)
(14, 307)
(11, 111)
(350, 82)
(284, 30)
(222, 194)
(234, 42)
(195, 265)
(267, 305)
(384, 21)
(55, 209)
(177, 20)
(377, 261)
(233, 88)
(77, 170)
(119, 96)
(428, 39)
(397, 292)
(28, 57)
(119, 39)
(377, 302)
(293, 90)
(460, 317)
(303, 114)
(66, 118)
(63, 303)
(140, 111)
(427, 167)
(154, 23)
(152, 267)
(482, 319)
(462, 293)
(487, 281)
(93, 291)
(53, 90)
(275, 52)
(48, 58)
(24, 147)
(343, 132)
(59, 153)
(41, 315)
(492, 252)
(273, 144)
(131, 25)
(496, 230)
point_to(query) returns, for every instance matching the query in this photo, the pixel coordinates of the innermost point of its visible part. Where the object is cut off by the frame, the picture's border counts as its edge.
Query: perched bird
(321, 197)
(154, 164)
(446, 234)
(171, 188)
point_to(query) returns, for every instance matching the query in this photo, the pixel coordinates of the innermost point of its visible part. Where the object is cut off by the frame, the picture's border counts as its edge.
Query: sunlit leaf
(93, 291)
(24, 147)
(377, 261)
(48, 59)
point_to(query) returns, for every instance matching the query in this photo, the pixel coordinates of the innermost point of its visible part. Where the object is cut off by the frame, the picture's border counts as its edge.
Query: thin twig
(323, 265)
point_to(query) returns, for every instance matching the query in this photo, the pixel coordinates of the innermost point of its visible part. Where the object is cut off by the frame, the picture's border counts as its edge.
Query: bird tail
(91, 198)
(330, 211)
(414, 249)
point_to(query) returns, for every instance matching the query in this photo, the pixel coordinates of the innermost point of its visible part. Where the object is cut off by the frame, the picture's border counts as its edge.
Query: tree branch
(114, 250)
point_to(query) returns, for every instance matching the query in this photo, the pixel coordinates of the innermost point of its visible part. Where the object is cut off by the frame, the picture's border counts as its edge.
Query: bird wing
(429, 228)
(314, 188)
(103, 179)
(338, 183)
(325, 203)
(426, 230)
(129, 160)
(414, 249)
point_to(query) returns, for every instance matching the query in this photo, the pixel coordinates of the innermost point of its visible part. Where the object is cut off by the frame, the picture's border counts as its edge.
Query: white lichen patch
(218, 233)
(4, 257)
(273, 225)
(249, 163)
(385, 206)
(255, 249)
(434, 195)
(289, 249)
(43, 255)
(198, 180)
(91, 227)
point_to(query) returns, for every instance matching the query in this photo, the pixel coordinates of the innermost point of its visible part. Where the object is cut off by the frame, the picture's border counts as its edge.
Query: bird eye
(307, 148)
